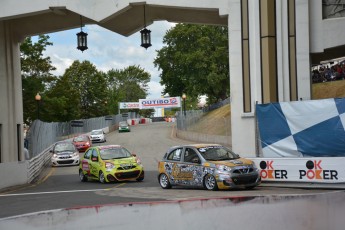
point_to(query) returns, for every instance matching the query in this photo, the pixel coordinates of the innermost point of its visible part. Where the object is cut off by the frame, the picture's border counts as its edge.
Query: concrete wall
(13, 173)
(304, 212)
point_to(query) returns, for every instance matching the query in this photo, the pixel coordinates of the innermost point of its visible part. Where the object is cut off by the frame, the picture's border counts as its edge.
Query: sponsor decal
(268, 172)
(315, 171)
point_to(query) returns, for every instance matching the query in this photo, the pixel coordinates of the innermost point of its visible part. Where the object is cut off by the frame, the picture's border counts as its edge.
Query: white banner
(129, 105)
(314, 170)
(168, 102)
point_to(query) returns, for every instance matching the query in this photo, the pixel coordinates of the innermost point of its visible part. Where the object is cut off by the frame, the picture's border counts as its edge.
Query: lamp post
(38, 99)
(184, 96)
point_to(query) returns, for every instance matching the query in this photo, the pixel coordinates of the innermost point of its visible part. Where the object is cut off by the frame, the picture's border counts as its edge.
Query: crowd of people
(326, 73)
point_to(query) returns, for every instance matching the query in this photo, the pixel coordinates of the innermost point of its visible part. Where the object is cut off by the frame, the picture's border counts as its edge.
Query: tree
(127, 85)
(36, 75)
(86, 87)
(195, 61)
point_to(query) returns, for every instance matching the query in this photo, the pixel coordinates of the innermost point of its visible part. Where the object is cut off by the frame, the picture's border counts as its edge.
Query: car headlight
(254, 167)
(223, 168)
(109, 165)
(54, 155)
(75, 154)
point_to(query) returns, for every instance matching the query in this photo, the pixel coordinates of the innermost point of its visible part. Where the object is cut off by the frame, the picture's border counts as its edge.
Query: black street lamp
(82, 38)
(38, 99)
(184, 96)
(145, 34)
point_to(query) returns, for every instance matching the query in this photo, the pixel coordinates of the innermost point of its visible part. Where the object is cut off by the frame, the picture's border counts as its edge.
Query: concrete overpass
(272, 44)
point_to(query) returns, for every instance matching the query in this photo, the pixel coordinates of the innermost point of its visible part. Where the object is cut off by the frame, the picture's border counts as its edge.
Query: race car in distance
(82, 142)
(97, 135)
(64, 153)
(110, 163)
(124, 127)
(210, 166)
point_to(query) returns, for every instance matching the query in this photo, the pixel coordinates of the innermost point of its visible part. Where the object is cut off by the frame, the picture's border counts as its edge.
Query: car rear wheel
(101, 177)
(210, 182)
(164, 181)
(82, 176)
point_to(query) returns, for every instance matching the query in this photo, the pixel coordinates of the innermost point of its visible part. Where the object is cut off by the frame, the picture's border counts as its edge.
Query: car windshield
(61, 147)
(81, 138)
(96, 132)
(123, 124)
(217, 153)
(114, 153)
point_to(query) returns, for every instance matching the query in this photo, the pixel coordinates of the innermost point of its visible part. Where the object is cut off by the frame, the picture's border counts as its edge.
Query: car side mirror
(94, 158)
(134, 155)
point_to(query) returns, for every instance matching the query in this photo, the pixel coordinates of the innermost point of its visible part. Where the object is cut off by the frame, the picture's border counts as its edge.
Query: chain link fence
(41, 134)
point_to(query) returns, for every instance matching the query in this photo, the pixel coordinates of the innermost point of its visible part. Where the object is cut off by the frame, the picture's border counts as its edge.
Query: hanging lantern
(81, 38)
(145, 38)
(145, 34)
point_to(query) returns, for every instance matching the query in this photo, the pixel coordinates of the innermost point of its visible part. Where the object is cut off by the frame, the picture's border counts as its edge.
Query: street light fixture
(82, 38)
(145, 34)
(38, 99)
(184, 96)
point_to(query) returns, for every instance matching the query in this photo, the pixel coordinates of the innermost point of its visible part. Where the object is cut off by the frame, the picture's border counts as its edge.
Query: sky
(108, 50)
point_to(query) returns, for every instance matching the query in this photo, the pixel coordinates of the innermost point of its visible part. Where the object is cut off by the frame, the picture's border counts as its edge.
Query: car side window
(191, 156)
(88, 154)
(175, 155)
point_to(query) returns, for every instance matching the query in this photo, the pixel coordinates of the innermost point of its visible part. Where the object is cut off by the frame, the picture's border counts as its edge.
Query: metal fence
(41, 134)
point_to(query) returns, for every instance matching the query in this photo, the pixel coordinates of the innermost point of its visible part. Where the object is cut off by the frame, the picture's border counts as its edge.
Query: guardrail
(38, 163)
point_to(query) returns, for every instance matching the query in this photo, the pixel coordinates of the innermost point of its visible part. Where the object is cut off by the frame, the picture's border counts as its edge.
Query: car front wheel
(210, 182)
(164, 181)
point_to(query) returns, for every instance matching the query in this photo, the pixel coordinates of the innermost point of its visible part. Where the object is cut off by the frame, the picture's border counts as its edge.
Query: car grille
(127, 175)
(126, 167)
(244, 179)
(65, 162)
(65, 157)
(243, 170)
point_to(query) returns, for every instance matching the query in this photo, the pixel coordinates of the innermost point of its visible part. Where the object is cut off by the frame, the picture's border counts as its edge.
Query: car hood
(64, 152)
(80, 142)
(129, 160)
(233, 163)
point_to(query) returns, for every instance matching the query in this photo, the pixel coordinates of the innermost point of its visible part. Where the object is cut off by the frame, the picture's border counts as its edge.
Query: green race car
(110, 163)
(124, 127)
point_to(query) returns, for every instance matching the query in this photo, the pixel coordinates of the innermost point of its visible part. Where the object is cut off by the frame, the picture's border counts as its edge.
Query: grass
(218, 121)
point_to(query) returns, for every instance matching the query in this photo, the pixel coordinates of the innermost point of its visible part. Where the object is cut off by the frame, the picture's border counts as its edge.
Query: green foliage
(86, 88)
(127, 85)
(195, 61)
(36, 75)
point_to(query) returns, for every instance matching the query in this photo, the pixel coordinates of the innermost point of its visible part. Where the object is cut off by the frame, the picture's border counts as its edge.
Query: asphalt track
(60, 187)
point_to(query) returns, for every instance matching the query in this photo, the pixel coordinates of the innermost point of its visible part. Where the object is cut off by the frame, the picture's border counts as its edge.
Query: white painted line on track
(53, 192)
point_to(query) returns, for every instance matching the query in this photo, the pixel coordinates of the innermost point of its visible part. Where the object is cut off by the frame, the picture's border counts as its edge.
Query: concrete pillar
(269, 62)
(11, 105)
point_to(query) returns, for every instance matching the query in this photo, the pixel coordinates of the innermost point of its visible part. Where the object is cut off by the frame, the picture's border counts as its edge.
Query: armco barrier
(302, 212)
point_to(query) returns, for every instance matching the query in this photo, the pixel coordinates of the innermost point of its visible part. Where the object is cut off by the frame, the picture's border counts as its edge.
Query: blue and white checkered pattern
(302, 128)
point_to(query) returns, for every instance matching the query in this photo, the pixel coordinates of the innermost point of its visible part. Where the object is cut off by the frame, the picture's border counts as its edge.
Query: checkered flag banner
(314, 128)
